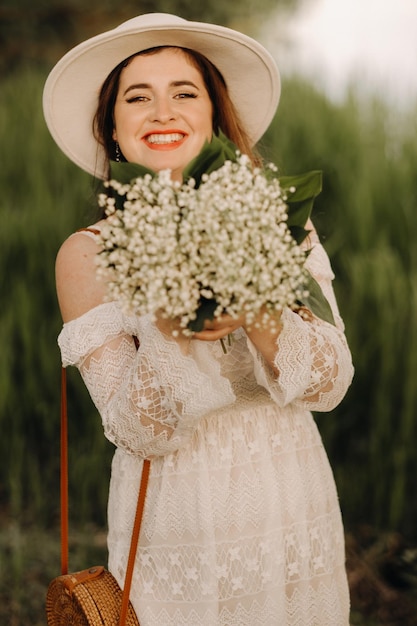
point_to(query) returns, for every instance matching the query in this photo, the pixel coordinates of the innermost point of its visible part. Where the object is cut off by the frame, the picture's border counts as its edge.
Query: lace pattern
(154, 406)
(313, 359)
(257, 534)
(242, 524)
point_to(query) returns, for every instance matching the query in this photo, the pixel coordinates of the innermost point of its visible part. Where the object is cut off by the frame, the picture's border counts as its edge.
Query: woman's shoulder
(79, 246)
(77, 285)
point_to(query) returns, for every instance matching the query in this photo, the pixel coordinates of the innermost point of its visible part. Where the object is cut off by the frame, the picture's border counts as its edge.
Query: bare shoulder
(78, 287)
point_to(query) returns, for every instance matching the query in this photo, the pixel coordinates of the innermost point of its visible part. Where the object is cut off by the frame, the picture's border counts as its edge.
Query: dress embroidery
(242, 525)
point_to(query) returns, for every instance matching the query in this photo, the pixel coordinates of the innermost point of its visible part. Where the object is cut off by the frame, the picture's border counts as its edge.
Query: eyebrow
(174, 83)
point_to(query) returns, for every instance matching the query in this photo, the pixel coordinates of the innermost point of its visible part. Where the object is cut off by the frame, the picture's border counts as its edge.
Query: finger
(224, 321)
(213, 335)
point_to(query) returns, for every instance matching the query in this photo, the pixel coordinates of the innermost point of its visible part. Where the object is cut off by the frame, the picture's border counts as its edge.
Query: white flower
(227, 241)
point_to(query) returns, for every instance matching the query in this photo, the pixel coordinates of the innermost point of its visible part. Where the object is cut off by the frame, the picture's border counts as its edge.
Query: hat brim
(71, 91)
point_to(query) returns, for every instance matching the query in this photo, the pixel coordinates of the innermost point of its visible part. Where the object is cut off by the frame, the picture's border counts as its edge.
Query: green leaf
(298, 233)
(307, 185)
(300, 202)
(316, 301)
(211, 158)
(125, 172)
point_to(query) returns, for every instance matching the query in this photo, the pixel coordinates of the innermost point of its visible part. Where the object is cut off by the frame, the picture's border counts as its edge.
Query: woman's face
(163, 112)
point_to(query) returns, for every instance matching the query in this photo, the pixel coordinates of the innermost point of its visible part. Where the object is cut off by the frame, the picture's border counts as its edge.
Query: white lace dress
(242, 525)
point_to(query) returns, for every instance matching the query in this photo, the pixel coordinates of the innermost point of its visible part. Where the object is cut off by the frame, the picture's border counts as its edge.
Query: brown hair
(225, 116)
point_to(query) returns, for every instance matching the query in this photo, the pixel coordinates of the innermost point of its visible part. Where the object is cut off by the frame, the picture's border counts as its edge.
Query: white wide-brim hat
(71, 91)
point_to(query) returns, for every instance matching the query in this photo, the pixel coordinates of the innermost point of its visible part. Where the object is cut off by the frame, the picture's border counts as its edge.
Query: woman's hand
(264, 333)
(219, 327)
(215, 329)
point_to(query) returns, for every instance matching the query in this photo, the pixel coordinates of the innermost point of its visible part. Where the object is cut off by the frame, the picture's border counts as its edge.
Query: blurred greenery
(365, 216)
(43, 30)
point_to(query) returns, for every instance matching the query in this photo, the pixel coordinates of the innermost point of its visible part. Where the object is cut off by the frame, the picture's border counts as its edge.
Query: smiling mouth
(164, 138)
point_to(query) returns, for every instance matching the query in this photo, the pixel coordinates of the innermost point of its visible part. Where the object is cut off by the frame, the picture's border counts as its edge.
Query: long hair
(225, 116)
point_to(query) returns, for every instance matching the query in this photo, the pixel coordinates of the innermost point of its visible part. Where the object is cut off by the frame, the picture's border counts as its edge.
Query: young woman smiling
(242, 523)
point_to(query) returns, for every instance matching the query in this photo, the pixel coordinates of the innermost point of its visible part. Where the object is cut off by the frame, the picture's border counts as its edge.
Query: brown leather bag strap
(64, 473)
(134, 541)
(64, 505)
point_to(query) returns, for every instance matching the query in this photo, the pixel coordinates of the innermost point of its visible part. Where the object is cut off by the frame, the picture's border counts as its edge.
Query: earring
(117, 150)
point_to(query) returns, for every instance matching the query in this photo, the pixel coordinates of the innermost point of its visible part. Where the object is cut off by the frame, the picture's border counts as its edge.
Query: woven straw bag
(91, 597)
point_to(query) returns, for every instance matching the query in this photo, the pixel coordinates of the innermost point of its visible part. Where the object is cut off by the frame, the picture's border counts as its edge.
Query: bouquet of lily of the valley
(226, 240)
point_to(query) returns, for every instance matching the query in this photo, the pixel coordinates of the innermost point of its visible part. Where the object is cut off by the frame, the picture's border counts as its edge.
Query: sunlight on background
(372, 43)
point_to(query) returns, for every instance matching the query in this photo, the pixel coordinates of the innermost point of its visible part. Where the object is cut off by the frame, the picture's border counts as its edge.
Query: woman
(242, 523)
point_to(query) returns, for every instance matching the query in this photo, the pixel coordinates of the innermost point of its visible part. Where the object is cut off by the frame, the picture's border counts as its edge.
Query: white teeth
(164, 138)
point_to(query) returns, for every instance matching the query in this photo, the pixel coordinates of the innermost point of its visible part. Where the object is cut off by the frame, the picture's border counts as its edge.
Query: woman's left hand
(219, 327)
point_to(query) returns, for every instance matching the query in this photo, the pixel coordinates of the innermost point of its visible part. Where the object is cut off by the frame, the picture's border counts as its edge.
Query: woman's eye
(179, 96)
(186, 95)
(137, 99)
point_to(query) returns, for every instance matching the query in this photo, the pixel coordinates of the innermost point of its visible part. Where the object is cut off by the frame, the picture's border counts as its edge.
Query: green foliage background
(366, 218)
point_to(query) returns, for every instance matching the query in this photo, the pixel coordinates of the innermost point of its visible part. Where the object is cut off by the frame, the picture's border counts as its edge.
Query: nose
(163, 110)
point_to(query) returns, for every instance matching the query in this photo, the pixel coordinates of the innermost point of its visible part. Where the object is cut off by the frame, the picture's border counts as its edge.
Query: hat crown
(151, 20)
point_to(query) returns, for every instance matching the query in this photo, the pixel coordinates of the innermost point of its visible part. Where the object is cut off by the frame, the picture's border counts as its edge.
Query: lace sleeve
(151, 399)
(313, 358)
